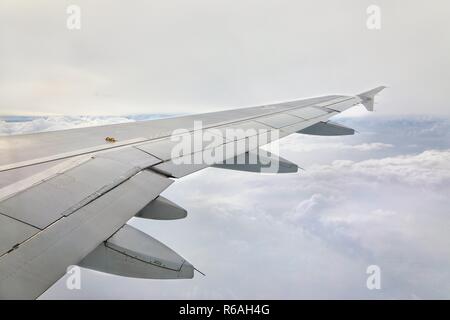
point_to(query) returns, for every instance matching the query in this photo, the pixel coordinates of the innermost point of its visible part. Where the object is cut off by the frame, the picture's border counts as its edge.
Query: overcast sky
(202, 55)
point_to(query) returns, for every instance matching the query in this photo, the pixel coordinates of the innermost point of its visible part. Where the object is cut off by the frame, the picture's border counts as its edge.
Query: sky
(379, 197)
(186, 57)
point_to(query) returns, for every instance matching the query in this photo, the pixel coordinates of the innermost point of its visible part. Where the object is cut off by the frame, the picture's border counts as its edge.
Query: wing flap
(278, 121)
(241, 130)
(305, 124)
(41, 260)
(242, 143)
(308, 112)
(61, 195)
(13, 232)
(133, 253)
(164, 148)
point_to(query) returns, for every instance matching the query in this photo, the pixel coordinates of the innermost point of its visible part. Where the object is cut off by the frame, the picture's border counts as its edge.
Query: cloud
(430, 168)
(22, 124)
(52, 123)
(308, 147)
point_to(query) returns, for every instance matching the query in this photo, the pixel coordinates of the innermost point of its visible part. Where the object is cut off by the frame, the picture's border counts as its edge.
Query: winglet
(368, 97)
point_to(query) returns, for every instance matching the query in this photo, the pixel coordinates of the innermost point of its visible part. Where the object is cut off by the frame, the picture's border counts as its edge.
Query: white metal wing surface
(66, 196)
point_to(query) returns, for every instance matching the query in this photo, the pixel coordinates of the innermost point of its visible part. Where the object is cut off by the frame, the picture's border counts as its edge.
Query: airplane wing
(66, 196)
